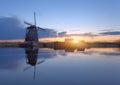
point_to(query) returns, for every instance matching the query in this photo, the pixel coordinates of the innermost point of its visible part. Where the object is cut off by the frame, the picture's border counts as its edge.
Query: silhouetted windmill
(31, 36)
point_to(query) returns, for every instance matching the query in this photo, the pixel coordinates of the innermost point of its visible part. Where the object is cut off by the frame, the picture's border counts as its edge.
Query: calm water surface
(95, 66)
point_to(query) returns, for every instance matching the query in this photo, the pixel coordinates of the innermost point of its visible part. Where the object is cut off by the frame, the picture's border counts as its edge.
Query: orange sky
(108, 38)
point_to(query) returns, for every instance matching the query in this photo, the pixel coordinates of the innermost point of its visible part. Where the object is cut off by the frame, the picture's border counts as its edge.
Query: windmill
(31, 36)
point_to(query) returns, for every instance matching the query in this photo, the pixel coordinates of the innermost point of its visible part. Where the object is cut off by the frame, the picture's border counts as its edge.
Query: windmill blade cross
(34, 18)
(27, 23)
(41, 28)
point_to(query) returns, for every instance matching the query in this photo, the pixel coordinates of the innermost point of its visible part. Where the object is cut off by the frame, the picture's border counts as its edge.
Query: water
(94, 66)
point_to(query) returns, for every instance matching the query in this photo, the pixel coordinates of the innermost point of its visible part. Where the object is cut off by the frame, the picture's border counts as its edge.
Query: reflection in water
(12, 59)
(103, 51)
(31, 58)
(66, 68)
(31, 55)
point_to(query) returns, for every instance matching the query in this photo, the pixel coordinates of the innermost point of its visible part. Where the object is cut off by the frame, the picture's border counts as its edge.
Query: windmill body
(31, 36)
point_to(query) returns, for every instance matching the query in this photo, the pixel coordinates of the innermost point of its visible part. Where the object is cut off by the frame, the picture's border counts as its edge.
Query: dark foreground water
(95, 66)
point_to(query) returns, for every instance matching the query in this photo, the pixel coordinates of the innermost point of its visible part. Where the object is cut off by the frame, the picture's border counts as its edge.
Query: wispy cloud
(66, 34)
(62, 34)
(104, 30)
(110, 33)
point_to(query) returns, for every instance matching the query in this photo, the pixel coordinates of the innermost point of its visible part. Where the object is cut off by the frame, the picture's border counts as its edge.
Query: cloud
(13, 28)
(90, 34)
(110, 33)
(107, 30)
(47, 33)
(62, 34)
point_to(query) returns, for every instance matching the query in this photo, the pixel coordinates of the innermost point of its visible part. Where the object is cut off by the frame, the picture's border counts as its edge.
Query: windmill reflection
(31, 59)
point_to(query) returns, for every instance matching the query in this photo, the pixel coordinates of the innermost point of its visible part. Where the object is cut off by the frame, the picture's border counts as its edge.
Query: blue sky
(73, 16)
(83, 15)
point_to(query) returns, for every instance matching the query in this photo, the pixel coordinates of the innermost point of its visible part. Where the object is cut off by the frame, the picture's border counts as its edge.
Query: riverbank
(63, 45)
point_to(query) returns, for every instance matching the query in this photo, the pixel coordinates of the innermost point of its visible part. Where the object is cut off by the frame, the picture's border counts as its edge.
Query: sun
(75, 41)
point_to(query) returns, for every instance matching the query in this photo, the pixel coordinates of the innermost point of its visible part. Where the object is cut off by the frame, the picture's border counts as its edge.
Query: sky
(83, 17)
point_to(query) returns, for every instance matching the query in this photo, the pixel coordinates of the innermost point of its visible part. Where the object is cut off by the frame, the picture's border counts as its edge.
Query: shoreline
(60, 45)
